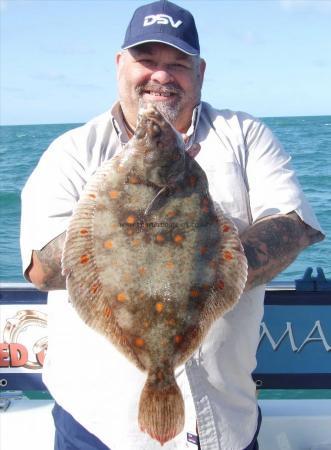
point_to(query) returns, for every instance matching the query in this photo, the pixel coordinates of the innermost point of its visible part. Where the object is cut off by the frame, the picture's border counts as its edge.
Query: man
(96, 388)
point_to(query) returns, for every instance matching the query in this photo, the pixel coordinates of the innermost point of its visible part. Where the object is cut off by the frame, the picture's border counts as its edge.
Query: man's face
(163, 75)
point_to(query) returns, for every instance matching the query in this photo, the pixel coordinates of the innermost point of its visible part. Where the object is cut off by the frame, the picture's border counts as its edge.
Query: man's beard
(169, 109)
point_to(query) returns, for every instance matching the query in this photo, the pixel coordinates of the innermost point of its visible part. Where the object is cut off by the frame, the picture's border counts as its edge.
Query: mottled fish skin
(150, 262)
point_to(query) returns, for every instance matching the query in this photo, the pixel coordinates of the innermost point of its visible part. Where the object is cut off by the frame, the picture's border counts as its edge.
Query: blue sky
(266, 57)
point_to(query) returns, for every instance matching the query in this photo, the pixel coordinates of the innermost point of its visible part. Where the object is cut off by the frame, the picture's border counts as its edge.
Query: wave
(10, 198)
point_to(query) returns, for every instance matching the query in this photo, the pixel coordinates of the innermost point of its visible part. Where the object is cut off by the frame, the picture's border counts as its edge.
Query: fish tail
(161, 408)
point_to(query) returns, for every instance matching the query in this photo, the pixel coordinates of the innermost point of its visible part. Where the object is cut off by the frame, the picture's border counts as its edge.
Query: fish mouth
(149, 122)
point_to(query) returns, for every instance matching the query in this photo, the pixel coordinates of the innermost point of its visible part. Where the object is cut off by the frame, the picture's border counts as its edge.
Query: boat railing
(294, 350)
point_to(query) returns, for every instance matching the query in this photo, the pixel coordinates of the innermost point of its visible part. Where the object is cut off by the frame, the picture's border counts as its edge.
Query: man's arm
(45, 269)
(270, 246)
(273, 243)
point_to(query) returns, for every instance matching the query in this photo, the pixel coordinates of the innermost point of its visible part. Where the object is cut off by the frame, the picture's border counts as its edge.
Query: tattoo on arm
(272, 244)
(49, 258)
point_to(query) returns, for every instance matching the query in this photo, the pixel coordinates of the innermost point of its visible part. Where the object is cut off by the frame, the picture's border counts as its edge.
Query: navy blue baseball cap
(164, 22)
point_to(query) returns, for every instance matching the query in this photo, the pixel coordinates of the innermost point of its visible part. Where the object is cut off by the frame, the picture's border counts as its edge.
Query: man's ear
(202, 68)
(118, 57)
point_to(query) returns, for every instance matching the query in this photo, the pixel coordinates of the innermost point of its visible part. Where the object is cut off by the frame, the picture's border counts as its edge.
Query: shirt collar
(119, 123)
(122, 133)
(189, 136)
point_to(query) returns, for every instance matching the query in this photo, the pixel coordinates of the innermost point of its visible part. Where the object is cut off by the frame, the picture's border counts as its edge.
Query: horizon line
(82, 123)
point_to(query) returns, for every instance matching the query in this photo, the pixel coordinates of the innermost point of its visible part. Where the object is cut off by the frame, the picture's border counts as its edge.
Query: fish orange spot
(83, 231)
(84, 259)
(121, 297)
(139, 342)
(220, 284)
(136, 242)
(194, 293)
(205, 204)
(178, 238)
(171, 322)
(131, 219)
(178, 338)
(93, 196)
(192, 181)
(142, 270)
(203, 250)
(171, 213)
(113, 195)
(160, 238)
(228, 255)
(226, 228)
(107, 312)
(159, 307)
(170, 265)
(108, 244)
(94, 288)
(133, 179)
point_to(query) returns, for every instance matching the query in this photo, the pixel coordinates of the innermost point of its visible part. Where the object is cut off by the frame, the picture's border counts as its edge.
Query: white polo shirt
(250, 177)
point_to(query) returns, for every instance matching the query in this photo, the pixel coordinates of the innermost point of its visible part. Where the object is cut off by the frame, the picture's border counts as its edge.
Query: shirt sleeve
(50, 195)
(272, 183)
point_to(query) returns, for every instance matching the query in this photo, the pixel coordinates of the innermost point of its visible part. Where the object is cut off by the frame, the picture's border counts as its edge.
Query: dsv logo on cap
(162, 19)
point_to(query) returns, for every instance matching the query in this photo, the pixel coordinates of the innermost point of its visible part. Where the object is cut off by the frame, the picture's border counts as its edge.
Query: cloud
(322, 63)
(319, 6)
(83, 86)
(62, 80)
(50, 76)
(3, 5)
(248, 37)
(69, 51)
(14, 90)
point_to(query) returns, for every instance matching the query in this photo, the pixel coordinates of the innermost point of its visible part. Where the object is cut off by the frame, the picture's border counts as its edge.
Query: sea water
(306, 139)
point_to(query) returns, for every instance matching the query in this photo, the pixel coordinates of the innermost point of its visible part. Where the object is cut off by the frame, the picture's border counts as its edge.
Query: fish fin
(161, 409)
(232, 272)
(82, 274)
(228, 286)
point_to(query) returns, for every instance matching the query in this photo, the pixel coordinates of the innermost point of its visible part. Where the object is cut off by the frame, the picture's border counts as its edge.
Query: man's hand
(273, 243)
(45, 269)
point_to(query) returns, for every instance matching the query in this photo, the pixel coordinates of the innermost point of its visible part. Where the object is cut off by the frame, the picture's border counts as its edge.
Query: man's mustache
(164, 89)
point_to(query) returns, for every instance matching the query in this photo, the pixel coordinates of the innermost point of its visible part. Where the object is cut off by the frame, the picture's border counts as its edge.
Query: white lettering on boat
(275, 344)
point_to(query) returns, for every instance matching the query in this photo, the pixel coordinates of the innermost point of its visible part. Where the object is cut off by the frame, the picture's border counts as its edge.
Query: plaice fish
(151, 263)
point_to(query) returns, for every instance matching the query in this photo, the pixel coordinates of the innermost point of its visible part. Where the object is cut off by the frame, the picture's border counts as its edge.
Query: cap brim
(173, 42)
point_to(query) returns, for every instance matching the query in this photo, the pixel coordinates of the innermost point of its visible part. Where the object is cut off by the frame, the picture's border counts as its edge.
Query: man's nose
(162, 76)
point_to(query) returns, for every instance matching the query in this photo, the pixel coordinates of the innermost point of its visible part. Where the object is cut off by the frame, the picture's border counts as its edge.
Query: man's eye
(146, 62)
(179, 66)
